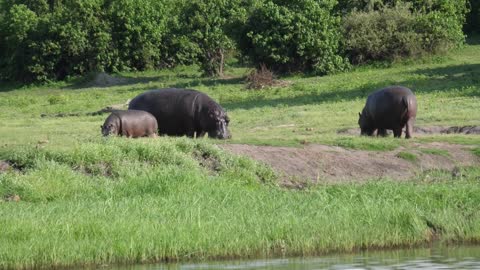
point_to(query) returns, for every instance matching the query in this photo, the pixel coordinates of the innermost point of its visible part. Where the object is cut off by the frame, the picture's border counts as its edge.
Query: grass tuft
(407, 156)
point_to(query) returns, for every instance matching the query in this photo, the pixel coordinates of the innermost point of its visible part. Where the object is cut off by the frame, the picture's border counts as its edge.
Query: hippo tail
(409, 103)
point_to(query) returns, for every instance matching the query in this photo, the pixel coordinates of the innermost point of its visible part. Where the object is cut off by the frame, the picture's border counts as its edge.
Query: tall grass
(127, 201)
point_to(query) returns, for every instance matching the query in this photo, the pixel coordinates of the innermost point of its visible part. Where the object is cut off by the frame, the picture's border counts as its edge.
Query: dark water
(464, 257)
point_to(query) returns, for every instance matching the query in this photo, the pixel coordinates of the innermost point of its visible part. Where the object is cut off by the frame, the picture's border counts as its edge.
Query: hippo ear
(359, 115)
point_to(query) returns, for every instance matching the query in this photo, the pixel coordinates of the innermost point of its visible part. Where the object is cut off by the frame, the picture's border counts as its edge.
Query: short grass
(435, 151)
(89, 200)
(310, 109)
(407, 156)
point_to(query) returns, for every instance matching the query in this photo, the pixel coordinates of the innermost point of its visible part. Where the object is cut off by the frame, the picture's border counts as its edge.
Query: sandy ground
(321, 163)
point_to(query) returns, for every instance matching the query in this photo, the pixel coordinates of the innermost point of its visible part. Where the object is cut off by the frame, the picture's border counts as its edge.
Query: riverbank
(137, 201)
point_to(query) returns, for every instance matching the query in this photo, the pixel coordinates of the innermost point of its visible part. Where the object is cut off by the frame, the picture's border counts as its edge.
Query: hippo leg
(382, 132)
(397, 132)
(200, 134)
(408, 133)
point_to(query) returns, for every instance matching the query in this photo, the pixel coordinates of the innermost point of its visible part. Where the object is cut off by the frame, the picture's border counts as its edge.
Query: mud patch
(209, 162)
(469, 130)
(6, 166)
(313, 164)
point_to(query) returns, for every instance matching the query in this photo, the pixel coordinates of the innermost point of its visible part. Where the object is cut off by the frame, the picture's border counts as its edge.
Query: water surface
(439, 257)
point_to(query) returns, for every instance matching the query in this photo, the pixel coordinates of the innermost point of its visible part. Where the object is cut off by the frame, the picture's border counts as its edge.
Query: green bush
(50, 41)
(137, 29)
(291, 36)
(202, 29)
(381, 35)
(47, 40)
(403, 30)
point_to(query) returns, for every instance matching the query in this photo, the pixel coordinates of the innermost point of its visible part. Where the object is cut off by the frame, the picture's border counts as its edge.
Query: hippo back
(391, 107)
(176, 110)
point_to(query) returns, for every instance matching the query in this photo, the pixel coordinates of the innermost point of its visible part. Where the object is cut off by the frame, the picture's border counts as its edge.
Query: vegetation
(396, 32)
(118, 200)
(434, 151)
(291, 36)
(72, 197)
(407, 156)
(51, 40)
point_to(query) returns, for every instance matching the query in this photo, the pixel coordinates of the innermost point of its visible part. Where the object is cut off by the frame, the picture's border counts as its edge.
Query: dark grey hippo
(389, 108)
(130, 123)
(184, 112)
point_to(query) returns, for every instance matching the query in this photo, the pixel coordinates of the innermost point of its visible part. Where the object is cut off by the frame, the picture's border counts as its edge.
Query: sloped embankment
(321, 163)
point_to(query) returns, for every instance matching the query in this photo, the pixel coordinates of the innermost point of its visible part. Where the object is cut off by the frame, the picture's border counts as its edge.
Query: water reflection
(439, 257)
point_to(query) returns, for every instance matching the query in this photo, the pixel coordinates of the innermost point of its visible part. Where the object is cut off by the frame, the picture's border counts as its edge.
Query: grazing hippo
(389, 108)
(131, 123)
(184, 112)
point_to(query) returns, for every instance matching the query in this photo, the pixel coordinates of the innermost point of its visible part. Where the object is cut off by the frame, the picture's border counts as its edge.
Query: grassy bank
(89, 200)
(112, 201)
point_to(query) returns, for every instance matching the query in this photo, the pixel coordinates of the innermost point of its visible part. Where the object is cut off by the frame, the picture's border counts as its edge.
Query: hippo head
(217, 124)
(365, 125)
(108, 129)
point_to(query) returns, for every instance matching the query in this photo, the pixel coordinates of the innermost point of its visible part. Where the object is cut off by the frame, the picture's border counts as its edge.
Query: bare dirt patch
(4, 166)
(426, 130)
(320, 163)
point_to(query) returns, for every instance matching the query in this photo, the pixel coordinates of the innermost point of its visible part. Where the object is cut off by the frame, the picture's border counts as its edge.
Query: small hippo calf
(130, 123)
(392, 108)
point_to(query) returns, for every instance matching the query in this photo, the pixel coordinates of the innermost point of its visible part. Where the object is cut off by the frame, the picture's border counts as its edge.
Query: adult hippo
(389, 108)
(184, 112)
(131, 123)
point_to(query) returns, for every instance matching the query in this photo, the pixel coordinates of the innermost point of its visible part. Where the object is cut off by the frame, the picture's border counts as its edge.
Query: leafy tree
(294, 35)
(202, 27)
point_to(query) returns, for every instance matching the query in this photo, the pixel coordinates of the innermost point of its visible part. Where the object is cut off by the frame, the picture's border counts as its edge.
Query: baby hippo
(130, 123)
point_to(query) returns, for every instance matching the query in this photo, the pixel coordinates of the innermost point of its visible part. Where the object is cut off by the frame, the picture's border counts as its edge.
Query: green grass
(434, 151)
(120, 200)
(476, 151)
(89, 200)
(407, 156)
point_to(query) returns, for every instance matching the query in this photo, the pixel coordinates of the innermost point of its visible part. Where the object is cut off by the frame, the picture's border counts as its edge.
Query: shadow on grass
(442, 79)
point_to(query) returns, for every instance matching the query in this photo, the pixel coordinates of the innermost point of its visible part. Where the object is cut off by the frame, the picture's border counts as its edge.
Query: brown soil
(320, 163)
(5, 166)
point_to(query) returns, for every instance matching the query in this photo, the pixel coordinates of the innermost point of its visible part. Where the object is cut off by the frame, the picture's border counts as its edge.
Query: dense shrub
(51, 40)
(202, 28)
(137, 29)
(403, 30)
(290, 36)
(48, 40)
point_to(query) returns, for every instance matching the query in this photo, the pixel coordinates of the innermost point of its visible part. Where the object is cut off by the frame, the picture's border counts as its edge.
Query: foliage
(400, 31)
(137, 29)
(203, 25)
(52, 40)
(291, 36)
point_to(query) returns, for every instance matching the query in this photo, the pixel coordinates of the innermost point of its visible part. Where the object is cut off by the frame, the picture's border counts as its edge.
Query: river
(436, 257)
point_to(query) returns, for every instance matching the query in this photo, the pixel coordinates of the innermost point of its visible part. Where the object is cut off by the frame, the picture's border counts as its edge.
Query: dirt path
(321, 163)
